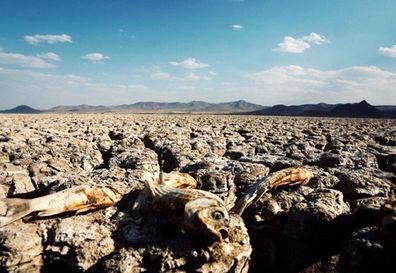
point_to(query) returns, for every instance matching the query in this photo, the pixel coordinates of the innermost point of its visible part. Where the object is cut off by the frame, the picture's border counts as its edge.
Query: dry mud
(331, 225)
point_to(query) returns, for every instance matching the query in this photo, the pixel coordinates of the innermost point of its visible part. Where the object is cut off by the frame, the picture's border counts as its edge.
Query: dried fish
(289, 176)
(178, 180)
(196, 212)
(78, 199)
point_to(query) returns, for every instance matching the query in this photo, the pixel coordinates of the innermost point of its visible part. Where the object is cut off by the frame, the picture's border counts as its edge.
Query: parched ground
(331, 225)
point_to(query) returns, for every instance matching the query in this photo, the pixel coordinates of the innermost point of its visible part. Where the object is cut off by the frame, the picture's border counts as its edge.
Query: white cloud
(388, 51)
(237, 27)
(43, 90)
(315, 38)
(299, 45)
(158, 75)
(49, 39)
(50, 56)
(295, 84)
(95, 57)
(190, 63)
(292, 45)
(23, 60)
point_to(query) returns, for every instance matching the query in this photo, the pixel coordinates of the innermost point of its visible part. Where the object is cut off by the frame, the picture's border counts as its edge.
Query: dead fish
(78, 199)
(289, 176)
(196, 212)
(178, 180)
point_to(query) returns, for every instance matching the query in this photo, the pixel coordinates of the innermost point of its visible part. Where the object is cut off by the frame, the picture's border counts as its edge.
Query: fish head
(207, 218)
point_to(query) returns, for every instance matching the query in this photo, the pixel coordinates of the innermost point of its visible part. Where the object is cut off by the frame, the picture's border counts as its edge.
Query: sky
(102, 52)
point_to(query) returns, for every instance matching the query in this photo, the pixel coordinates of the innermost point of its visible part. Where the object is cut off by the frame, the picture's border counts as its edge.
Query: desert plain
(333, 224)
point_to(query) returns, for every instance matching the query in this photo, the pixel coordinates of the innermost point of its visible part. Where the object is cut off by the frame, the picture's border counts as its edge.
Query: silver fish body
(78, 199)
(196, 212)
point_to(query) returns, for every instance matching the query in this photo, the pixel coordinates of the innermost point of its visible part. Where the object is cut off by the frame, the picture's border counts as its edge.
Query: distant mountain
(283, 110)
(236, 106)
(361, 110)
(22, 109)
(149, 106)
(79, 108)
(388, 110)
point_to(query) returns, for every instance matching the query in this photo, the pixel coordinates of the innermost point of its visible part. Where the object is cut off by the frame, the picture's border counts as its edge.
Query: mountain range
(149, 106)
(362, 109)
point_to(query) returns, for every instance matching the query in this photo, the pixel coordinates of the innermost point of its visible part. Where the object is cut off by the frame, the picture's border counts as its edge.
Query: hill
(21, 109)
(361, 109)
(283, 110)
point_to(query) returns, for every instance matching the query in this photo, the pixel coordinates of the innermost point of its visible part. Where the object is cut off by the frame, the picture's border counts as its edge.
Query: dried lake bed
(333, 224)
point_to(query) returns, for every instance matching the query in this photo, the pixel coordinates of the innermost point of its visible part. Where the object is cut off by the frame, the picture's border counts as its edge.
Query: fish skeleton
(78, 199)
(196, 212)
(285, 177)
(202, 213)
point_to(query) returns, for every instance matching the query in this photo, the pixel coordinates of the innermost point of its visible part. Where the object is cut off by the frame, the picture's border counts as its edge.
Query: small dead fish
(78, 199)
(196, 212)
(289, 176)
(178, 180)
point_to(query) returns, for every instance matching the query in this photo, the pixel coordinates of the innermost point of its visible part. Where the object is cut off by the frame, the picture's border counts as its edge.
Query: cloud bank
(21, 60)
(293, 84)
(44, 90)
(47, 38)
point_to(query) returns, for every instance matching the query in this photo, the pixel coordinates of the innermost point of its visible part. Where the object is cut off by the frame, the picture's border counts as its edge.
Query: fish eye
(218, 215)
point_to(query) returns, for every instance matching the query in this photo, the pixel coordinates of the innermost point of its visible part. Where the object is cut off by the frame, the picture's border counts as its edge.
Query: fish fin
(12, 209)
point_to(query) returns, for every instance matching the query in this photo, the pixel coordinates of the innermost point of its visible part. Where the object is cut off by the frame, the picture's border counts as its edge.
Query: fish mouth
(223, 233)
(218, 235)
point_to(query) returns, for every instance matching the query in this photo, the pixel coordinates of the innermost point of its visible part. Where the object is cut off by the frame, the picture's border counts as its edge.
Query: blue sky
(264, 51)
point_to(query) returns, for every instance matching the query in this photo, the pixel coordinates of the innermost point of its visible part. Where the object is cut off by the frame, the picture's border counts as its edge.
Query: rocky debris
(80, 242)
(153, 246)
(364, 184)
(333, 224)
(17, 178)
(21, 248)
(364, 252)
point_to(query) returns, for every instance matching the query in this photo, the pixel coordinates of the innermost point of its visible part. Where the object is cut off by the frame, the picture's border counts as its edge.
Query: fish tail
(12, 209)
